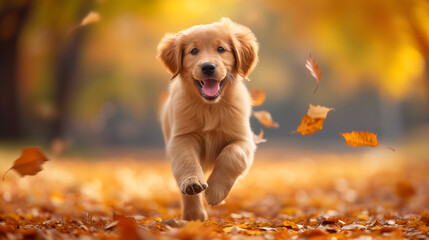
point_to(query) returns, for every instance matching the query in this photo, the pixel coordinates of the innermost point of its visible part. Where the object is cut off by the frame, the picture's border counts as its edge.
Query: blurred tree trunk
(12, 20)
(67, 67)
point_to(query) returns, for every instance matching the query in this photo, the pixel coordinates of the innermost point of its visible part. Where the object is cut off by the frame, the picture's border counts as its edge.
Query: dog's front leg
(234, 160)
(183, 152)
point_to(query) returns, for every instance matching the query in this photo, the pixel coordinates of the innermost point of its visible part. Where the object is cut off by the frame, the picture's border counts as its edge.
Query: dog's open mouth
(210, 88)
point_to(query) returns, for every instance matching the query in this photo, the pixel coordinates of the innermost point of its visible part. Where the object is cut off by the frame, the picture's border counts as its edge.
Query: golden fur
(204, 135)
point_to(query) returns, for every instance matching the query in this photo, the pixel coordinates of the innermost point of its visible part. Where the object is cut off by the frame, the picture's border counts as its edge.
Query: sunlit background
(97, 86)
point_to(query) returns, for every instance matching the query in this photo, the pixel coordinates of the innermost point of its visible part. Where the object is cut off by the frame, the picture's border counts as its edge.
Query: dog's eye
(220, 50)
(194, 51)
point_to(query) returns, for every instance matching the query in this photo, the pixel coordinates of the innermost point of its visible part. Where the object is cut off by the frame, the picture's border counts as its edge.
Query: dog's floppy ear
(245, 47)
(170, 53)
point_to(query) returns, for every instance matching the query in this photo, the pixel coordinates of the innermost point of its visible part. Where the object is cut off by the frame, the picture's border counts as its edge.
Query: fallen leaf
(313, 120)
(127, 227)
(90, 18)
(174, 223)
(357, 139)
(258, 97)
(314, 70)
(29, 163)
(259, 138)
(425, 217)
(233, 229)
(265, 119)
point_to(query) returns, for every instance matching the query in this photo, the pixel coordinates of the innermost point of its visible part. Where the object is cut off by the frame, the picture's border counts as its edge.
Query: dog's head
(209, 57)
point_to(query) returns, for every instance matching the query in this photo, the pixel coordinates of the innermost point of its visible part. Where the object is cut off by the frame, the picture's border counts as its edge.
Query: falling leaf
(259, 138)
(357, 139)
(258, 97)
(310, 125)
(29, 163)
(265, 119)
(314, 70)
(405, 190)
(318, 111)
(90, 18)
(313, 120)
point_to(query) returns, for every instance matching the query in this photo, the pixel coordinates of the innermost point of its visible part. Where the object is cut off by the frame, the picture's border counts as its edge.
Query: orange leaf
(127, 227)
(265, 119)
(314, 70)
(310, 125)
(90, 18)
(259, 138)
(357, 139)
(313, 120)
(30, 162)
(258, 97)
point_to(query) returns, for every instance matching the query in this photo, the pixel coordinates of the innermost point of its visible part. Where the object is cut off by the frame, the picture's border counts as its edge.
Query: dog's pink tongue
(210, 87)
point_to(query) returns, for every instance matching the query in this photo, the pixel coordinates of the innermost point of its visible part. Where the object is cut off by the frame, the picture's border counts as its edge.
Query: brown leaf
(29, 163)
(265, 119)
(313, 120)
(259, 138)
(405, 190)
(127, 227)
(314, 70)
(425, 217)
(357, 139)
(258, 97)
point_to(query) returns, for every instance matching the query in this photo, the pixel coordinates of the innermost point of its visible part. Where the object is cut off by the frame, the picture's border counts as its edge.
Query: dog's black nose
(208, 68)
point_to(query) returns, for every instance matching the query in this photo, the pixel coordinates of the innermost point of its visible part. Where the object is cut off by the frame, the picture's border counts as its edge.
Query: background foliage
(98, 86)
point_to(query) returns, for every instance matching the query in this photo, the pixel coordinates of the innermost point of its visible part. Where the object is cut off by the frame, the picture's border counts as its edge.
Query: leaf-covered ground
(376, 194)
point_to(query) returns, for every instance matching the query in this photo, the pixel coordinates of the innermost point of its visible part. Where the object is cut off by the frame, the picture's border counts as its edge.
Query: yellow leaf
(357, 139)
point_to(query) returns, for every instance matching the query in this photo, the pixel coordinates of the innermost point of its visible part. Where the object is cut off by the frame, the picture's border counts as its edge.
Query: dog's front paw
(193, 185)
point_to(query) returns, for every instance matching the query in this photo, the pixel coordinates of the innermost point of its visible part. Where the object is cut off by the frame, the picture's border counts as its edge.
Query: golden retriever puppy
(205, 119)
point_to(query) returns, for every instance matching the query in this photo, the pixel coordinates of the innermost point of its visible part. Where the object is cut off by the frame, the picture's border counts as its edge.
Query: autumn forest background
(88, 94)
